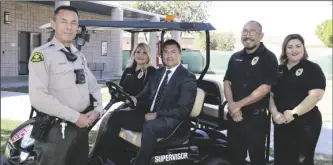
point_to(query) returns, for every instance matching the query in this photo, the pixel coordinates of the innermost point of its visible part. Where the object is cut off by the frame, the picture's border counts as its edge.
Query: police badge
(299, 71)
(254, 60)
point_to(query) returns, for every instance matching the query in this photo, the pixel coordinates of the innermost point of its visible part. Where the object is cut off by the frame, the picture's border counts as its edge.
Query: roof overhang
(104, 8)
(140, 26)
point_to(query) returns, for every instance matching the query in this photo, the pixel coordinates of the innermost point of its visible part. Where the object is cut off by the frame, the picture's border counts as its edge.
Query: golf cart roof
(140, 26)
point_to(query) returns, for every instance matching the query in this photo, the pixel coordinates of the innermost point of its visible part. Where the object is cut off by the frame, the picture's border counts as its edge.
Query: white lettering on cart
(170, 157)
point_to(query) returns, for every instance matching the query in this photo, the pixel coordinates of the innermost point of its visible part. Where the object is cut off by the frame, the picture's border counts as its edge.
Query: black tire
(216, 161)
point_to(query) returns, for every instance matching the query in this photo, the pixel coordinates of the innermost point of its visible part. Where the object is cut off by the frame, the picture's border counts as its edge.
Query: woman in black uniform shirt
(297, 119)
(133, 80)
(138, 71)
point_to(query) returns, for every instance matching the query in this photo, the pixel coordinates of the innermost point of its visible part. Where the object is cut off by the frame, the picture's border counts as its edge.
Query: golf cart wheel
(216, 161)
(23, 144)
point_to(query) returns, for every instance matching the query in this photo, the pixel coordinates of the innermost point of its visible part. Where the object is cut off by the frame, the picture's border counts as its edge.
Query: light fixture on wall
(6, 15)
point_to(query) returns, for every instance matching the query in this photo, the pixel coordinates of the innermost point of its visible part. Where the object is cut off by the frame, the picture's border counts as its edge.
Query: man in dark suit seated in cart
(165, 102)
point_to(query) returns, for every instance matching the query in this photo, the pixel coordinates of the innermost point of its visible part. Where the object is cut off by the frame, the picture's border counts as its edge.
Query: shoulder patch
(37, 57)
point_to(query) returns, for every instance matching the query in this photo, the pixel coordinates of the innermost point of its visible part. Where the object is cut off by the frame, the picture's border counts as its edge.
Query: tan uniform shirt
(52, 87)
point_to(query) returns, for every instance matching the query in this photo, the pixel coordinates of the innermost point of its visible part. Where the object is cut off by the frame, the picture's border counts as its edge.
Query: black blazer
(133, 85)
(179, 95)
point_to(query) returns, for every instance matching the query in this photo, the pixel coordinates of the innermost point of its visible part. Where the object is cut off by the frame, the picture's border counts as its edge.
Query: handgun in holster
(44, 122)
(42, 126)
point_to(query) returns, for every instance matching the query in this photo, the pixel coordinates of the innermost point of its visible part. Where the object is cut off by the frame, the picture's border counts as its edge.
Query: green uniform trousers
(72, 150)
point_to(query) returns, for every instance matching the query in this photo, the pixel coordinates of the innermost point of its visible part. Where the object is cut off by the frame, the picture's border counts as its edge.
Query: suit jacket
(179, 95)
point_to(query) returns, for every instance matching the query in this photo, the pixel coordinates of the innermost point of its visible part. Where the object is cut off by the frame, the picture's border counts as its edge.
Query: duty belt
(257, 111)
(88, 109)
(253, 111)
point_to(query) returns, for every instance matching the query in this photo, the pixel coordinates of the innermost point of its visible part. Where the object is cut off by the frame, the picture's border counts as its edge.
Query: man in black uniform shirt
(247, 84)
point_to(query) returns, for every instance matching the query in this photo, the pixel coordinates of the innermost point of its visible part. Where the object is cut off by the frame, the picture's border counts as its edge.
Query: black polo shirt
(247, 72)
(293, 85)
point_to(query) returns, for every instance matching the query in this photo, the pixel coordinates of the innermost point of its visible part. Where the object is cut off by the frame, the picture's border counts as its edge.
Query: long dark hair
(283, 57)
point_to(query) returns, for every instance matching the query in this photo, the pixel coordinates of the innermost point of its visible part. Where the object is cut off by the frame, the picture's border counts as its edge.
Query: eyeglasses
(251, 32)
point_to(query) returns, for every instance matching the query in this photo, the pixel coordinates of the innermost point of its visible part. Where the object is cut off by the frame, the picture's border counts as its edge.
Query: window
(104, 48)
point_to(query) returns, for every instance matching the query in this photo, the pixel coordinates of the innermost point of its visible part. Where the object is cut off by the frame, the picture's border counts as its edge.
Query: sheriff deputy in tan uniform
(59, 85)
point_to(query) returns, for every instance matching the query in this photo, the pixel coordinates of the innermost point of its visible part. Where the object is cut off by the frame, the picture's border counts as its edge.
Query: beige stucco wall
(28, 17)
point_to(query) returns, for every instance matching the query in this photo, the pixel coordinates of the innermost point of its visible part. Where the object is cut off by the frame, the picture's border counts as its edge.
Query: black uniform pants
(73, 150)
(295, 143)
(107, 144)
(248, 135)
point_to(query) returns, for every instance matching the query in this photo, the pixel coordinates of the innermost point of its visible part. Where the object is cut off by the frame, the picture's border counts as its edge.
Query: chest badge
(140, 74)
(299, 71)
(254, 60)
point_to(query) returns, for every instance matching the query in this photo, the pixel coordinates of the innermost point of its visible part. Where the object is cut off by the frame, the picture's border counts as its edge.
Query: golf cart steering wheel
(117, 92)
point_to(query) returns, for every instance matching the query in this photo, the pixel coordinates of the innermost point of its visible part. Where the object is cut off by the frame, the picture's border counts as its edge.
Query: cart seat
(135, 137)
(213, 113)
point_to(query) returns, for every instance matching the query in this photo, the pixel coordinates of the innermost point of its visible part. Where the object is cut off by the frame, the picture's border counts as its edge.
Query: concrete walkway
(16, 106)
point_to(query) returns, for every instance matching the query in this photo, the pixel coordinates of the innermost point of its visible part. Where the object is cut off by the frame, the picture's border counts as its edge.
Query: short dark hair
(172, 42)
(64, 7)
(283, 57)
(255, 22)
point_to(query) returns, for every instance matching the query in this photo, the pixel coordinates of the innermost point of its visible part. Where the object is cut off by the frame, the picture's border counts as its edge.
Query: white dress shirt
(169, 76)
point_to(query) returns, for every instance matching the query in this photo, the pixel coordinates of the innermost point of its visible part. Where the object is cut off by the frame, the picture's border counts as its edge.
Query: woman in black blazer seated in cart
(297, 119)
(138, 71)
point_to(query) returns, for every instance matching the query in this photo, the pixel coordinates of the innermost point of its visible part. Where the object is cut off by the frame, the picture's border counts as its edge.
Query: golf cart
(203, 143)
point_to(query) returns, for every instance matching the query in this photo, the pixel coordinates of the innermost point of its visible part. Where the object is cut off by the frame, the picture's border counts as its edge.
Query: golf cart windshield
(143, 26)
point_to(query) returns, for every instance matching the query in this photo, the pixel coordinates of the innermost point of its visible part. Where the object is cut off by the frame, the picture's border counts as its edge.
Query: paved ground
(16, 106)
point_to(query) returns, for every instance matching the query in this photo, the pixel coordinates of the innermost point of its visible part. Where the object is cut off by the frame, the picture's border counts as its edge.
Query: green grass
(7, 126)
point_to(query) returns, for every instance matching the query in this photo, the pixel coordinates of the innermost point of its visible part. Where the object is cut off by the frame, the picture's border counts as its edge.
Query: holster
(44, 122)
(42, 126)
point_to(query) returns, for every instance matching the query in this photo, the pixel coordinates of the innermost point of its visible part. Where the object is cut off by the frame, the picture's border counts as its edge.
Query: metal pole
(207, 56)
(268, 138)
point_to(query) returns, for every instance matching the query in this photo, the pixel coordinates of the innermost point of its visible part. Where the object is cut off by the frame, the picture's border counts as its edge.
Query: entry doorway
(27, 42)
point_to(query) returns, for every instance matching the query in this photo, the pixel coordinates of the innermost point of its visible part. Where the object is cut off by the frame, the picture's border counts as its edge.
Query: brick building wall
(28, 17)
